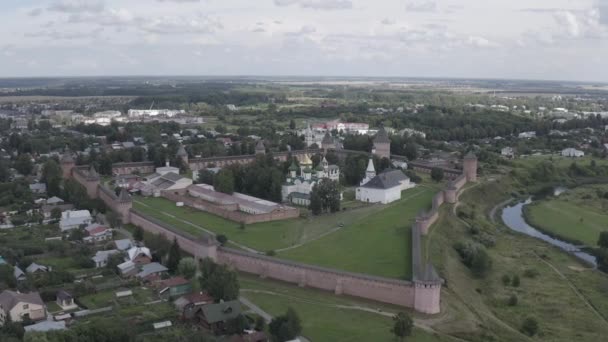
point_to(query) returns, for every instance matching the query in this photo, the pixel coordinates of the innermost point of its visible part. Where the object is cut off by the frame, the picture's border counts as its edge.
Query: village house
(101, 257)
(572, 153)
(124, 244)
(73, 219)
(189, 306)
(38, 188)
(21, 306)
(508, 152)
(173, 287)
(215, 316)
(47, 209)
(97, 233)
(139, 255)
(65, 300)
(34, 268)
(152, 271)
(19, 274)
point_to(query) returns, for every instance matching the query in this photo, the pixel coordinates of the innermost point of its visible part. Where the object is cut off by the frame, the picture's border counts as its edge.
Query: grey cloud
(64, 35)
(307, 29)
(421, 6)
(35, 12)
(603, 9)
(387, 21)
(77, 6)
(542, 10)
(258, 30)
(317, 4)
(178, 0)
(176, 25)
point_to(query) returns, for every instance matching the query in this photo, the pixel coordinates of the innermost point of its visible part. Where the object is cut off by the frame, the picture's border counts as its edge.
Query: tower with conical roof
(370, 172)
(328, 142)
(469, 167)
(260, 148)
(67, 164)
(382, 144)
(92, 175)
(123, 205)
(308, 136)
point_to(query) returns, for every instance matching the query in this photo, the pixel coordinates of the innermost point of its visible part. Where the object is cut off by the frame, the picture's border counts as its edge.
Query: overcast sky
(524, 39)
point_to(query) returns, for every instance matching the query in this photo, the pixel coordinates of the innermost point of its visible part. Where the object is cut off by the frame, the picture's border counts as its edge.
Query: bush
(222, 239)
(271, 253)
(506, 280)
(488, 240)
(475, 257)
(512, 300)
(515, 282)
(529, 326)
(531, 273)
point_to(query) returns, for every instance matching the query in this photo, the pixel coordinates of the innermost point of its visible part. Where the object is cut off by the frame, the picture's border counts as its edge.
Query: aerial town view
(303, 170)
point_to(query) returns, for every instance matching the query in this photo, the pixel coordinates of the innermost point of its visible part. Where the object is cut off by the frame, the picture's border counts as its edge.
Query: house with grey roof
(383, 188)
(19, 274)
(215, 316)
(124, 244)
(73, 219)
(34, 268)
(101, 257)
(151, 269)
(38, 188)
(19, 306)
(165, 178)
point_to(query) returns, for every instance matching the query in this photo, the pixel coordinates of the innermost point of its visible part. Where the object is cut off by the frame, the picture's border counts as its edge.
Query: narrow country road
(256, 309)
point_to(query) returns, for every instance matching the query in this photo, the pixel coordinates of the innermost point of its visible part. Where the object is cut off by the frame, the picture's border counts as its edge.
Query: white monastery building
(383, 188)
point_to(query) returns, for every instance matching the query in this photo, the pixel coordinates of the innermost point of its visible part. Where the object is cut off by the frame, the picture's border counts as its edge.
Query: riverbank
(577, 216)
(477, 308)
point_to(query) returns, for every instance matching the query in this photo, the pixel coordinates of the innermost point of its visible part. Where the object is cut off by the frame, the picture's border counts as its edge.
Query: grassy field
(321, 320)
(377, 244)
(568, 220)
(261, 236)
(557, 160)
(567, 299)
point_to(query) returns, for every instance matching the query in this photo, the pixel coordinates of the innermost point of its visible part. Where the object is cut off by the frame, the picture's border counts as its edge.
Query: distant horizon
(295, 76)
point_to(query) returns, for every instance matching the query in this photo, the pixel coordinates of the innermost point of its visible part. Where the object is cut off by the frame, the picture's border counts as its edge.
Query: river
(513, 218)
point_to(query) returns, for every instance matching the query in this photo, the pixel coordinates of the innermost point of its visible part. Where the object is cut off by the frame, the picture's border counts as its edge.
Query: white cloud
(317, 4)
(77, 6)
(468, 38)
(421, 6)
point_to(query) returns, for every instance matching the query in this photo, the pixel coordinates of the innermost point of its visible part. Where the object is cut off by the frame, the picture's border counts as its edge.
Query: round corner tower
(382, 144)
(67, 164)
(469, 167)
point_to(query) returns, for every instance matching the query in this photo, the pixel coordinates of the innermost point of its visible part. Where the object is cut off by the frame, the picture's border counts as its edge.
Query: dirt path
(485, 313)
(500, 205)
(574, 289)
